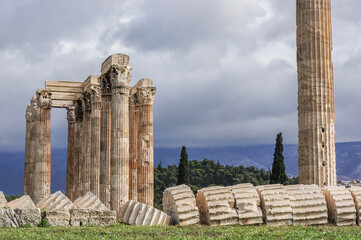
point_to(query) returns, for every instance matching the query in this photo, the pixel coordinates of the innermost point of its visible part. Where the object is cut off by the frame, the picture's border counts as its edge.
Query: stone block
(24, 202)
(79, 217)
(114, 60)
(107, 217)
(57, 217)
(275, 205)
(247, 204)
(28, 216)
(216, 206)
(8, 218)
(179, 203)
(308, 205)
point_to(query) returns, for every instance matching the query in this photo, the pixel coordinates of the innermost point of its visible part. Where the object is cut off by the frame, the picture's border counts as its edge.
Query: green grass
(121, 231)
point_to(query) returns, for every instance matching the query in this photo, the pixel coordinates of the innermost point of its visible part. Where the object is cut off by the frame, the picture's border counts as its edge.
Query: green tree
(278, 174)
(183, 168)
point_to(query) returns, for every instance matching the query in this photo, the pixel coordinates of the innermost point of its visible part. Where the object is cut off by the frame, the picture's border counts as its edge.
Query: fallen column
(179, 203)
(247, 203)
(308, 205)
(25, 211)
(275, 205)
(356, 194)
(136, 213)
(340, 205)
(216, 206)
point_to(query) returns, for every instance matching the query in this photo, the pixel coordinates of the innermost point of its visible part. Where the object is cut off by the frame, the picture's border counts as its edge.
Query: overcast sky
(225, 70)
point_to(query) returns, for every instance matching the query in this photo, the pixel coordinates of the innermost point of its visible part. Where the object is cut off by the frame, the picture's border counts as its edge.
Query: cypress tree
(183, 168)
(278, 174)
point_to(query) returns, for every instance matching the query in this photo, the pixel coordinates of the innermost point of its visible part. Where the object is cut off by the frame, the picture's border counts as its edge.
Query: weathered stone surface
(316, 104)
(27, 216)
(216, 206)
(84, 217)
(247, 204)
(340, 206)
(136, 213)
(275, 205)
(8, 218)
(56, 201)
(180, 203)
(89, 201)
(356, 194)
(308, 204)
(24, 202)
(3, 202)
(79, 217)
(57, 217)
(107, 217)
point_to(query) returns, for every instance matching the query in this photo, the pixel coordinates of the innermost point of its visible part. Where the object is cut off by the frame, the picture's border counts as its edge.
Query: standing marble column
(86, 143)
(95, 140)
(42, 147)
(78, 153)
(119, 72)
(316, 106)
(31, 113)
(133, 146)
(105, 139)
(70, 166)
(145, 146)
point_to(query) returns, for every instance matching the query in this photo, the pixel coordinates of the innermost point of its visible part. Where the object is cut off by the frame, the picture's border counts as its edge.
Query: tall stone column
(78, 149)
(95, 140)
(42, 147)
(86, 143)
(133, 146)
(316, 106)
(145, 146)
(119, 72)
(31, 113)
(71, 158)
(105, 139)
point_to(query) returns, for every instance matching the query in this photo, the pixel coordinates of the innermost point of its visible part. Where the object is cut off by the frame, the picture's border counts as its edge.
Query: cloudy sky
(225, 70)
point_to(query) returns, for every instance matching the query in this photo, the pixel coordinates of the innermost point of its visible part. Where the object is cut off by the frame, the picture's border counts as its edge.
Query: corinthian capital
(70, 114)
(120, 76)
(105, 84)
(145, 95)
(44, 98)
(95, 93)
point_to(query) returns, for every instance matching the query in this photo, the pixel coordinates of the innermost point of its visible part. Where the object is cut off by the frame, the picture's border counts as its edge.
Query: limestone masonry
(316, 104)
(110, 137)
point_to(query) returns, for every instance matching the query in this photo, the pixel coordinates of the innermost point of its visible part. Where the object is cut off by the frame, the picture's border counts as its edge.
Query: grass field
(121, 231)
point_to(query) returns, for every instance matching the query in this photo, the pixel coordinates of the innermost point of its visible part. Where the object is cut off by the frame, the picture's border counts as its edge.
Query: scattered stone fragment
(24, 202)
(180, 203)
(56, 202)
(308, 204)
(356, 194)
(216, 206)
(89, 201)
(275, 205)
(79, 217)
(3, 202)
(29, 216)
(247, 203)
(136, 213)
(8, 218)
(57, 218)
(340, 205)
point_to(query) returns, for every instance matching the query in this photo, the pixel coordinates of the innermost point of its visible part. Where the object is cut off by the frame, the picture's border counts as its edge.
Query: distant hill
(348, 157)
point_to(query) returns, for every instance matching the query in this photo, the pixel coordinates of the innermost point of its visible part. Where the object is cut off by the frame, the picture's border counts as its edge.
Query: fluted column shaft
(71, 163)
(120, 147)
(86, 146)
(145, 146)
(133, 147)
(42, 155)
(95, 143)
(78, 150)
(105, 140)
(316, 108)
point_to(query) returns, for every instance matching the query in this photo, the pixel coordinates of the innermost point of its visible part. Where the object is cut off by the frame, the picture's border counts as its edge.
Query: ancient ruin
(110, 136)
(316, 105)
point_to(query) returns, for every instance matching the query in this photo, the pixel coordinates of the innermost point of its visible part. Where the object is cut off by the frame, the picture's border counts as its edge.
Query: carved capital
(70, 115)
(86, 102)
(145, 96)
(133, 100)
(78, 110)
(95, 94)
(44, 98)
(105, 84)
(121, 90)
(32, 110)
(120, 75)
